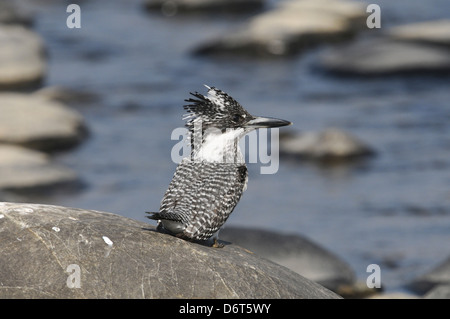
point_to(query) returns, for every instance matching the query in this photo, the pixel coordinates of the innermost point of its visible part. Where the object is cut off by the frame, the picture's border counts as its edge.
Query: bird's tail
(154, 215)
(168, 222)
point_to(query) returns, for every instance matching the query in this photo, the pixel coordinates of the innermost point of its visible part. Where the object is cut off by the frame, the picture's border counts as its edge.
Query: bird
(208, 184)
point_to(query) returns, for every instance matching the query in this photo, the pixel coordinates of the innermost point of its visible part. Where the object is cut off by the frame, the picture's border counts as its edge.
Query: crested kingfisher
(207, 185)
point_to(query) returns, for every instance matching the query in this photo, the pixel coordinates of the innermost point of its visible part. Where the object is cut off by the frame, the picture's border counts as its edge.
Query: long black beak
(260, 122)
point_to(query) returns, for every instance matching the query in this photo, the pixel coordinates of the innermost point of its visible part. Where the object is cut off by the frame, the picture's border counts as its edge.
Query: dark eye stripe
(236, 118)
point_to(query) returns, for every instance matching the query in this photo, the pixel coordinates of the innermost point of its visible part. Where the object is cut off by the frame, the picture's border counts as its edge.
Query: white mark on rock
(23, 224)
(109, 248)
(56, 229)
(107, 241)
(83, 239)
(2, 216)
(72, 218)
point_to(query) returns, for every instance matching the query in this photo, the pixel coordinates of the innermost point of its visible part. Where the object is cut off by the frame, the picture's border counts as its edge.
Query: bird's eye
(236, 118)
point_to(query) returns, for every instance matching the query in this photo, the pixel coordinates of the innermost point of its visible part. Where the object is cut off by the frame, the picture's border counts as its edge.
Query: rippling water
(392, 210)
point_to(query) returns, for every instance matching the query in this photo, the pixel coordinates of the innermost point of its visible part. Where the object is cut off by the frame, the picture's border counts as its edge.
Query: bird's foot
(216, 244)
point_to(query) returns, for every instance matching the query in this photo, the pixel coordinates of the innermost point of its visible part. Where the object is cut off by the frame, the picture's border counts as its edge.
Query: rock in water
(329, 145)
(59, 252)
(296, 253)
(412, 48)
(22, 58)
(432, 32)
(289, 28)
(39, 123)
(381, 56)
(23, 170)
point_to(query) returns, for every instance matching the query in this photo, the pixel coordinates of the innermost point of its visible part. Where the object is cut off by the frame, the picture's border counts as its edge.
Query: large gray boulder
(59, 252)
(22, 57)
(36, 122)
(296, 253)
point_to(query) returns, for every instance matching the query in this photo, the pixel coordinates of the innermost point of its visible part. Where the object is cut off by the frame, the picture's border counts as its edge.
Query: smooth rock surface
(291, 27)
(385, 56)
(350, 11)
(49, 251)
(22, 57)
(330, 144)
(294, 252)
(432, 32)
(36, 122)
(24, 170)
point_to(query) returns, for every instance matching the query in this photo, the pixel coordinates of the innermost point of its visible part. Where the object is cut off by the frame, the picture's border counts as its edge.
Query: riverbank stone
(60, 252)
(291, 27)
(296, 253)
(36, 122)
(386, 56)
(25, 171)
(331, 144)
(428, 32)
(22, 57)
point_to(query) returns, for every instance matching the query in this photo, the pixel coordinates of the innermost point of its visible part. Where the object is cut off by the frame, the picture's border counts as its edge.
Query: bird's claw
(216, 244)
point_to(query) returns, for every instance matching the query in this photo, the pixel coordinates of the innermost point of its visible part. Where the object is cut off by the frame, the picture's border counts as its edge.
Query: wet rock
(290, 28)
(353, 13)
(440, 275)
(172, 7)
(294, 252)
(384, 56)
(59, 252)
(22, 57)
(330, 144)
(14, 13)
(430, 32)
(36, 122)
(23, 170)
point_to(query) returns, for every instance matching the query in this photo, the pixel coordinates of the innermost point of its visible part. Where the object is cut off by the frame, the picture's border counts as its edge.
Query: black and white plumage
(207, 185)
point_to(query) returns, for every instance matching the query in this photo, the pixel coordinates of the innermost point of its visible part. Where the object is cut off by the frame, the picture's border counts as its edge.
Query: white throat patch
(221, 147)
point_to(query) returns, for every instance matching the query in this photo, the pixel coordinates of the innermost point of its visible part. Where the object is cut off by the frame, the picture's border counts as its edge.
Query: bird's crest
(216, 109)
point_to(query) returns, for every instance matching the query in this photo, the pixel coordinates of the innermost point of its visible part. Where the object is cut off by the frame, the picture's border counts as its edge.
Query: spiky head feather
(217, 109)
